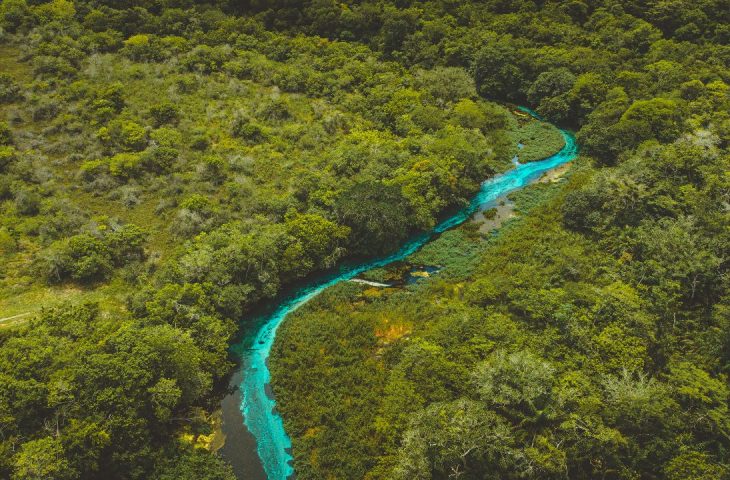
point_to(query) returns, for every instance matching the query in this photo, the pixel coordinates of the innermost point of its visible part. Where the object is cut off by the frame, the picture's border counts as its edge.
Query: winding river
(266, 434)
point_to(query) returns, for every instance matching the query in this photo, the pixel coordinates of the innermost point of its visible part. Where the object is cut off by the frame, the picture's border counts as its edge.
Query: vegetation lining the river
(590, 339)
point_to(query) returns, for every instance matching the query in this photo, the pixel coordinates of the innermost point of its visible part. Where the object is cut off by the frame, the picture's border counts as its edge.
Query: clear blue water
(257, 404)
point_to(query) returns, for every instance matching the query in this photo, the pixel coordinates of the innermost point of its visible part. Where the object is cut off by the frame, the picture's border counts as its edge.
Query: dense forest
(164, 168)
(167, 165)
(590, 337)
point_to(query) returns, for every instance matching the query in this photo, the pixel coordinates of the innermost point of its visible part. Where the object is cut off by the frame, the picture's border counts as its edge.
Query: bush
(86, 257)
(196, 214)
(7, 242)
(14, 14)
(164, 113)
(199, 140)
(159, 159)
(213, 169)
(274, 110)
(6, 191)
(46, 110)
(141, 48)
(6, 136)
(132, 136)
(7, 156)
(112, 93)
(246, 130)
(125, 165)
(27, 202)
(60, 218)
(89, 258)
(9, 90)
(91, 169)
(167, 137)
(44, 65)
(206, 59)
(468, 114)
(123, 134)
(126, 244)
(186, 83)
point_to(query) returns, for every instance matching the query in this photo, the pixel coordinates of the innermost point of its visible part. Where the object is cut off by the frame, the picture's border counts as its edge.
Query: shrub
(104, 42)
(132, 136)
(126, 244)
(468, 114)
(9, 90)
(7, 156)
(44, 65)
(142, 48)
(196, 203)
(164, 113)
(6, 136)
(167, 137)
(186, 83)
(206, 59)
(46, 110)
(159, 159)
(7, 242)
(89, 258)
(14, 14)
(199, 140)
(125, 165)
(27, 202)
(109, 97)
(196, 214)
(6, 191)
(112, 93)
(91, 169)
(124, 134)
(60, 218)
(246, 130)
(213, 169)
(274, 110)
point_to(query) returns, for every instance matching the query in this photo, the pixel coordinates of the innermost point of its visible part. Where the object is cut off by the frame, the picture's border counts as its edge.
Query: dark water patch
(239, 447)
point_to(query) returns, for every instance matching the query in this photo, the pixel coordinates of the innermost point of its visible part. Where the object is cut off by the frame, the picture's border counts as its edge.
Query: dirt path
(14, 320)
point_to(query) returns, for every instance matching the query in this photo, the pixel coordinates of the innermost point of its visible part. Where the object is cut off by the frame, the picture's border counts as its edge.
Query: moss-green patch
(539, 139)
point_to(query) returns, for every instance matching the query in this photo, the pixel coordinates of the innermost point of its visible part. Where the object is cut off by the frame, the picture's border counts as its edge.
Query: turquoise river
(256, 401)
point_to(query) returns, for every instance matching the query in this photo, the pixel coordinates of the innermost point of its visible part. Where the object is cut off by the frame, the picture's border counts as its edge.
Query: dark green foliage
(85, 257)
(496, 71)
(9, 89)
(8, 155)
(164, 113)
(105, 386)
(27, 202)
(247, 130)
(376, 215)
(593, 332)
(258, 142)
(195, 464)
(6, 136)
